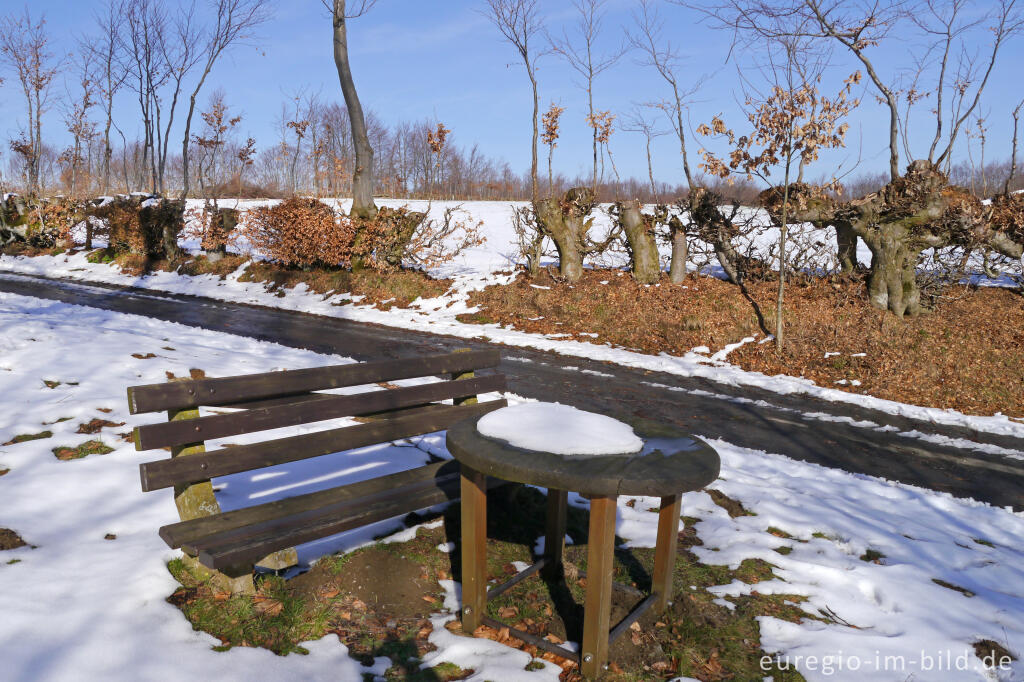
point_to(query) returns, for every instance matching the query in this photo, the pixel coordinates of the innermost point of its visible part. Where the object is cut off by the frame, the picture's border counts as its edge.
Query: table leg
(665, 550)
(554, 533)
(598, 601)
(474, 548)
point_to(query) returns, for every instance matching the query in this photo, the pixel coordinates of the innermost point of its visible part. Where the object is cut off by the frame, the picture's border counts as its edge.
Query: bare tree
(520, 23)
(582, 58)
(638, 122)
(944, 21)
(1013, 149)
(76, 119)
(180, 57)
(362, 173)
(858, 25)
(110, 74)
(24, 47)
(658, 53)
(235, 22)
(146, 29)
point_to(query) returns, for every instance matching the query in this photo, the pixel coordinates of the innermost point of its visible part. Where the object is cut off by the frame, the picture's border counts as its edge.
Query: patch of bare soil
(10, 540)
(967, 354)
(391, 586)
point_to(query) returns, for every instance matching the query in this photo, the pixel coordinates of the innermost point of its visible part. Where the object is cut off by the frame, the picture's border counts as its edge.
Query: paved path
(774, 423)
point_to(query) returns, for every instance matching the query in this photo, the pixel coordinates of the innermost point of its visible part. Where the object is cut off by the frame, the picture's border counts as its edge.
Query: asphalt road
(748, 417)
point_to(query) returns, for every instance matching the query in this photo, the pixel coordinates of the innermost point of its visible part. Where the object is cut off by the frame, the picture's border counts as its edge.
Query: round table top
(670, 462)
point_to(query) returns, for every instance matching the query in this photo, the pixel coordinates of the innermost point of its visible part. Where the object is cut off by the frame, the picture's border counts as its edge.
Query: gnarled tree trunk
(643, 250)
(846, 248)
(567, 221)
(892, 282)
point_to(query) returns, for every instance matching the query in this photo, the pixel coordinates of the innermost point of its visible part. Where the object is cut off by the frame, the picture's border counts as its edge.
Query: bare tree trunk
(680, 251)
(533, 150)
(640, 235)
(779, 322)
(362, 175)
(567, 221)
(846, 243)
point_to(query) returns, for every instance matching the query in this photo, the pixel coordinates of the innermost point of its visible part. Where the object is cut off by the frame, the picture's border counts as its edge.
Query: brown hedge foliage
(301, 232)
(135, 229)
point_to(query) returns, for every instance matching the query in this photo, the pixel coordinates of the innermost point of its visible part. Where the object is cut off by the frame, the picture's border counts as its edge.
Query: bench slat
(199, 467)
(227, 390)
(187, 532)
(393, 501)
(262, 419)
(297, 531)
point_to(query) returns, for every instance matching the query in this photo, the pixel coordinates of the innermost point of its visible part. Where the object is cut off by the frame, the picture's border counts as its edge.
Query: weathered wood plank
(474, 548)
(262, 419)
(391, 502)
(667, 546)
(252, 548)
(597, 602)
(198, 467)
(227, 390)
(179, 534)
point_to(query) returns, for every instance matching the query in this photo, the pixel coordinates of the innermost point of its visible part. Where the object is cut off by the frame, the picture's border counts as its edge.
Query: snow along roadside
(438, 316)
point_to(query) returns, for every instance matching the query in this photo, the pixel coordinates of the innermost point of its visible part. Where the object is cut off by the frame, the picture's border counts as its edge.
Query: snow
(77, 606)
(560, 430)
(475, 269)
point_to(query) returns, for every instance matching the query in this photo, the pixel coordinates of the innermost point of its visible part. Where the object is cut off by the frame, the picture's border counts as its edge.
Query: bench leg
(665, 550)
(474, 548)
(597, 604)
(554, 533)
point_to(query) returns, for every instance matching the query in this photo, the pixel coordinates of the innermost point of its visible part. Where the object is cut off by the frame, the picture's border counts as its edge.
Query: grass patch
(10, 540)
(96, 425)
(382, 290)
(26, 437)
(950, 586)
(733, 507)
(986, 543)
(92, 447)
(872, 556)
(992, 653)
(203, 265)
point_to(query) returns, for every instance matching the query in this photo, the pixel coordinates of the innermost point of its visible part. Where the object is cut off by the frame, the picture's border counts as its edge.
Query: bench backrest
(278, 399)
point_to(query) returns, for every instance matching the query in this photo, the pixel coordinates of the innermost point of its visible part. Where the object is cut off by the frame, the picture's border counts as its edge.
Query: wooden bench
(227, 545)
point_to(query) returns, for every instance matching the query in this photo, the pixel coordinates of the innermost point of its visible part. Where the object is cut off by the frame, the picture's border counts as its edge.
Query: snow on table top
(560, 430)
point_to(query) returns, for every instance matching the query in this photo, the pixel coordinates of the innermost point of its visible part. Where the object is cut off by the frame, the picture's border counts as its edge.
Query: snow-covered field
(473, 270)
(77, 606)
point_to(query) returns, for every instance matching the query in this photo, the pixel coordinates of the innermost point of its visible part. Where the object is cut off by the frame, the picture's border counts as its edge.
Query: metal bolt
(468, 610)
(587, 658)
(197, 429)
(203, 465)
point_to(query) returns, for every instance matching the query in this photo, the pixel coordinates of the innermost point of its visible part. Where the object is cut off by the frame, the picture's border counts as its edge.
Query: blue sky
(442, 59)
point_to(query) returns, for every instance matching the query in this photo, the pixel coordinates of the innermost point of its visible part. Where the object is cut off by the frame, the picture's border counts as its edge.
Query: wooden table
(670, 463)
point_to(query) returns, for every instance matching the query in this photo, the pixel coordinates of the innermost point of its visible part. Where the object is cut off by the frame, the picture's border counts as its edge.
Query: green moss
(25, 437)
